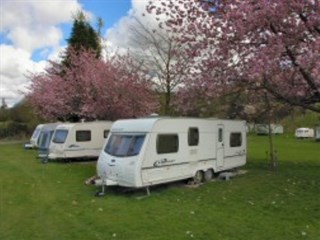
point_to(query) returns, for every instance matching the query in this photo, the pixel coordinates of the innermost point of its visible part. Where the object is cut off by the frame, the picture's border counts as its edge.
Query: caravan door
(220, 146)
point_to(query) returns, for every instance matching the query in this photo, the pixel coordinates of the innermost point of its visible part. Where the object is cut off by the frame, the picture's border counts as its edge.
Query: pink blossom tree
(251, 46)
(263, 44)
(91, 88)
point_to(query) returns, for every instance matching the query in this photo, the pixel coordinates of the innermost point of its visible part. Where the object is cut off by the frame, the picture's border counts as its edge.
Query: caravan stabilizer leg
(102, 192)
(148, 191)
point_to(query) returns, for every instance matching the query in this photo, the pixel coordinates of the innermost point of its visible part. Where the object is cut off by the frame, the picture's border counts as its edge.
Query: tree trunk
(167, 102)
(272, 152)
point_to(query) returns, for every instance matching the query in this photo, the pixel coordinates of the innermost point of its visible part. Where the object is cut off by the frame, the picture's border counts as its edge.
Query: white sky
(32, 25)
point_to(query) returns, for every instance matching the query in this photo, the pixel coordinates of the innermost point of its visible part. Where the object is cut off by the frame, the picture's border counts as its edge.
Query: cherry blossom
(91, 88)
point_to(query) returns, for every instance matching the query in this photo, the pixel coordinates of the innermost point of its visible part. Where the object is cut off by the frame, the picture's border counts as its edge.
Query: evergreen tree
(3, 111)
(4, 104)
(83, 37)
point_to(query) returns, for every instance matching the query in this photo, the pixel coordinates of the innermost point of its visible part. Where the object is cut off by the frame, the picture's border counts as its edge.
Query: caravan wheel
(208, 175)
(198, 177)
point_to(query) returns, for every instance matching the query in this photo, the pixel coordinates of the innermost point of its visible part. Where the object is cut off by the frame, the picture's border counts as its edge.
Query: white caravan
(34, 138)
(148, 151)
(36, 135)
(304, 133)
(79, 140)
(44, 141)
(263, 129)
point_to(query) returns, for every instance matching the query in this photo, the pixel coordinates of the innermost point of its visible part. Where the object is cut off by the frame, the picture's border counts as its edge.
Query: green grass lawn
(50, 201)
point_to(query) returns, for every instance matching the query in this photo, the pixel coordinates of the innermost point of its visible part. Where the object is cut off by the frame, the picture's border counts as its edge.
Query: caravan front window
(60, 136)
(36, 132)
(124, 145)
(43, 139)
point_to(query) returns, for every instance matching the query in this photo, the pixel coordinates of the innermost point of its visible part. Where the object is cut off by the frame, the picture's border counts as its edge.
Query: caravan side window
(193, 136)
(83, 135)
(167, 143)
(36, 132)
(106, 133)
(235, 139)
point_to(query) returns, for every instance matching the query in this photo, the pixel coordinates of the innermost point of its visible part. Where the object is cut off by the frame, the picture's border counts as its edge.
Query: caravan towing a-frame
(149, 151)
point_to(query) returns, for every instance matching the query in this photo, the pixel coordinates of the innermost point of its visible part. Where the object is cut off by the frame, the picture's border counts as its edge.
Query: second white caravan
(148, 151)
(79, 140)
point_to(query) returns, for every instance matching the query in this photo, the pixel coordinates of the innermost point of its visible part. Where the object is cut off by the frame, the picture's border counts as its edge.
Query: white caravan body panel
(79, 140)
(144, 152)
(263, 129)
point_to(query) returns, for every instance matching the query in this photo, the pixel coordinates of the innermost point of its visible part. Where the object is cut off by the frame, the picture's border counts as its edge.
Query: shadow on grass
(87, 160)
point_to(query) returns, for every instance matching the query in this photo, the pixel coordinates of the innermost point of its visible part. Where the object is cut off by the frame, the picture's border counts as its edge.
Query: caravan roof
(79, 124)
(142, 125)
(151, 124)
